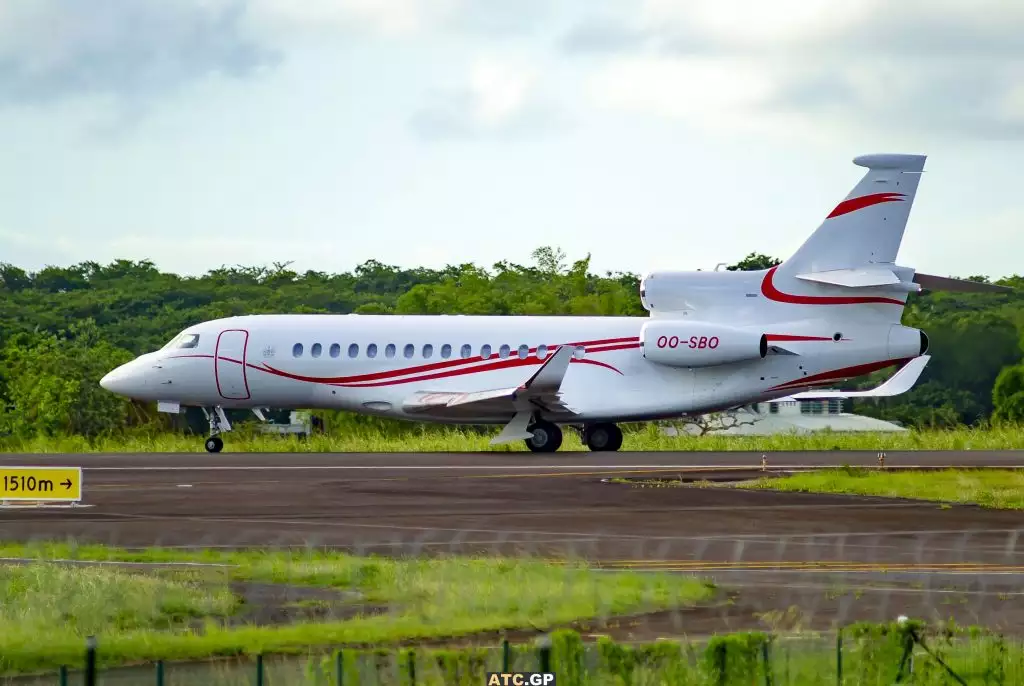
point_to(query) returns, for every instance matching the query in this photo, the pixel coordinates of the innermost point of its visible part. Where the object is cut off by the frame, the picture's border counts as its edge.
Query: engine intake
(699, 344)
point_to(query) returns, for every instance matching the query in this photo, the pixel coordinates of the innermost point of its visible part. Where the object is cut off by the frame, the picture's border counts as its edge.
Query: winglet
(549, 377)
(899, 383)
(546, 380)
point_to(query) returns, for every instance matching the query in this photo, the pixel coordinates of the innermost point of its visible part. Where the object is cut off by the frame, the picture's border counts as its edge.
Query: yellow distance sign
(41, 483)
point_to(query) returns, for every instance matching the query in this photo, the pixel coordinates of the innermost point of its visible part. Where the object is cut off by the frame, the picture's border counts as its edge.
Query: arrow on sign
(66, 483)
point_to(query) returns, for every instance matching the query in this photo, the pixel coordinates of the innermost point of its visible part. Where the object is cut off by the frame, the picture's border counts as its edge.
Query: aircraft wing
(540, 392)
(897, 384)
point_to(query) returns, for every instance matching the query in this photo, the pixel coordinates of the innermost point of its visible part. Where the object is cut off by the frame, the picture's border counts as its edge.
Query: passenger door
(229, 364)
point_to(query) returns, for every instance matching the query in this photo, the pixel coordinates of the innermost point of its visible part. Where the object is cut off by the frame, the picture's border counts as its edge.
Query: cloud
(51, 50)
(936, 68)
(132, 52)
(500, 99)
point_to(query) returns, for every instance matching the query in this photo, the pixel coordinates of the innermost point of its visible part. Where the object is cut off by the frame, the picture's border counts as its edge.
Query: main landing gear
(602, 437)
(547, 437)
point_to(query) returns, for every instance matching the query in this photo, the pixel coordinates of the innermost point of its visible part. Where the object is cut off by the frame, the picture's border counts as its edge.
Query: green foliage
(754, 262)
(63, 327)
(52, 384)
(1008, 395)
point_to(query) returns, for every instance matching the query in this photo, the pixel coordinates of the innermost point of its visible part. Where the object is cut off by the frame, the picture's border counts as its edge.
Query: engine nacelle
(669, 291)
(699, 344)
(905, 341)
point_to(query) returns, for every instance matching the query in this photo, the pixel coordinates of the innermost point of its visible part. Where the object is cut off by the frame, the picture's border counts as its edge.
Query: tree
(714, 422)
(53, 384)
(1008, 395)
(754, 262)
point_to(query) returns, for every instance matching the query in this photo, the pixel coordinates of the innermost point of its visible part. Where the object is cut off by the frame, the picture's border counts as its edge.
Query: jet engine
(699, 344)
(678, 291)
(905, 341)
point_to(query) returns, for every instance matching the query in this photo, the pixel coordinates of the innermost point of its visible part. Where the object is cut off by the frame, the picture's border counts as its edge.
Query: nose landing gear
(218, 423)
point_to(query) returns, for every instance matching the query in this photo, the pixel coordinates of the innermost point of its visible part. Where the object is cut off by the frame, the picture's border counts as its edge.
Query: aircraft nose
(123, 381)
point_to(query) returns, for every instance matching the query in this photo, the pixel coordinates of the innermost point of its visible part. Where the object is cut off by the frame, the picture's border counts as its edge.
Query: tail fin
(867, 227)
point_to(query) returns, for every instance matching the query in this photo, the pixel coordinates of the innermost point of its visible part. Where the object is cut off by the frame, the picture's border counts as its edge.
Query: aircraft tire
(604, 437)
(547, 437)
(214, 444)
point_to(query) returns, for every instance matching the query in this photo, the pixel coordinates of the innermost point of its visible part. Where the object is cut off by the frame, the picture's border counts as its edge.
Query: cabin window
(335, 350)
(353, 350)
(428, 350)
(315, 350)
(371, 350)
(297, 350)
(524, 351)
(503, 351)
(485, 351)
(410, 350)
(542, 352)
(579, 352)
(446, 351)
(389, 351)
(467, 351)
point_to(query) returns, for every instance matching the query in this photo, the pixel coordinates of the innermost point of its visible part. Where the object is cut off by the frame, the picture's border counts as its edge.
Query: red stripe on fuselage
(854, 204)
(843, 373)
(794, 337)
(600, 345)
(450, 368)
(769, 291)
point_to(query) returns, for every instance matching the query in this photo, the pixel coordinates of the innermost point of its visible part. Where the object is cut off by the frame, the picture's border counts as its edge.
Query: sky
(651, 134)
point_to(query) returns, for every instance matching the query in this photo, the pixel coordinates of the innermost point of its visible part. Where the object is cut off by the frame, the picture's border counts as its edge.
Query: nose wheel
(218, 423)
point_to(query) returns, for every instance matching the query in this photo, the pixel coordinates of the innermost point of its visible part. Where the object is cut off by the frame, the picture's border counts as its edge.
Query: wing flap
(897, 384)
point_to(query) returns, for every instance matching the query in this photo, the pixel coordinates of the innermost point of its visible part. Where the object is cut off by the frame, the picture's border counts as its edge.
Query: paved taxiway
(836, 557)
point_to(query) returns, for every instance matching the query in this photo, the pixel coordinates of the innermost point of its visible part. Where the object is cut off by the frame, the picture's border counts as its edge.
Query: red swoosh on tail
(769, 291)
(854, 204)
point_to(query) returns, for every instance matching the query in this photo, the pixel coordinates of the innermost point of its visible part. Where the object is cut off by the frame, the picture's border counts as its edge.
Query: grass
(427, 598)
(430, 438)
(36, 598)
(1003, 489)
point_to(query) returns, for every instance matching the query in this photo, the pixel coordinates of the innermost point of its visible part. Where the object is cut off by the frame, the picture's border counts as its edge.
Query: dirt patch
(274, 604)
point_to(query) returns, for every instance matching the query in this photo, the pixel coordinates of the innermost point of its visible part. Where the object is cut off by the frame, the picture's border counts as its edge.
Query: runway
(837, 558)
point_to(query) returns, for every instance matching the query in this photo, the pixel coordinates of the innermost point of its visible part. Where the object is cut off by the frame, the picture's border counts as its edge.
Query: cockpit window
(185, 340)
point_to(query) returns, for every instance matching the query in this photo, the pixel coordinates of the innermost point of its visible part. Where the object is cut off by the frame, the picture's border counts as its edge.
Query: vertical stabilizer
(867, 227)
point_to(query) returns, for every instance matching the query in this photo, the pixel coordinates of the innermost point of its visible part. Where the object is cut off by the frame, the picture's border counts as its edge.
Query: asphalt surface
(835, 559)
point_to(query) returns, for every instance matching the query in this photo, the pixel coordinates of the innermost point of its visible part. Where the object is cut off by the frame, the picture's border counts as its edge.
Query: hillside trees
(61, 328)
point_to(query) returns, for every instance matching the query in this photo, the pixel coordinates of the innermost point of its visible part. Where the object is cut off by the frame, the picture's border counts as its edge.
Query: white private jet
(713, 341)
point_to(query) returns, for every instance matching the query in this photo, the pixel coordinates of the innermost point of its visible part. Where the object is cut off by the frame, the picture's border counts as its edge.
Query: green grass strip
(1002, 488)
(50, 609)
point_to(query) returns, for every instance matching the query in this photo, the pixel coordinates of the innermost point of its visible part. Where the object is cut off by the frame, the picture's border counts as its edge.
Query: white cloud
(499, 97)
(54, 49)
(389, 18)
(911, 68)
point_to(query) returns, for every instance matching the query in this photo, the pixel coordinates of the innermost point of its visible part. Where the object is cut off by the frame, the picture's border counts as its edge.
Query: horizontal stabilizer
(899, 383)
(944, 283)
(854, 278)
